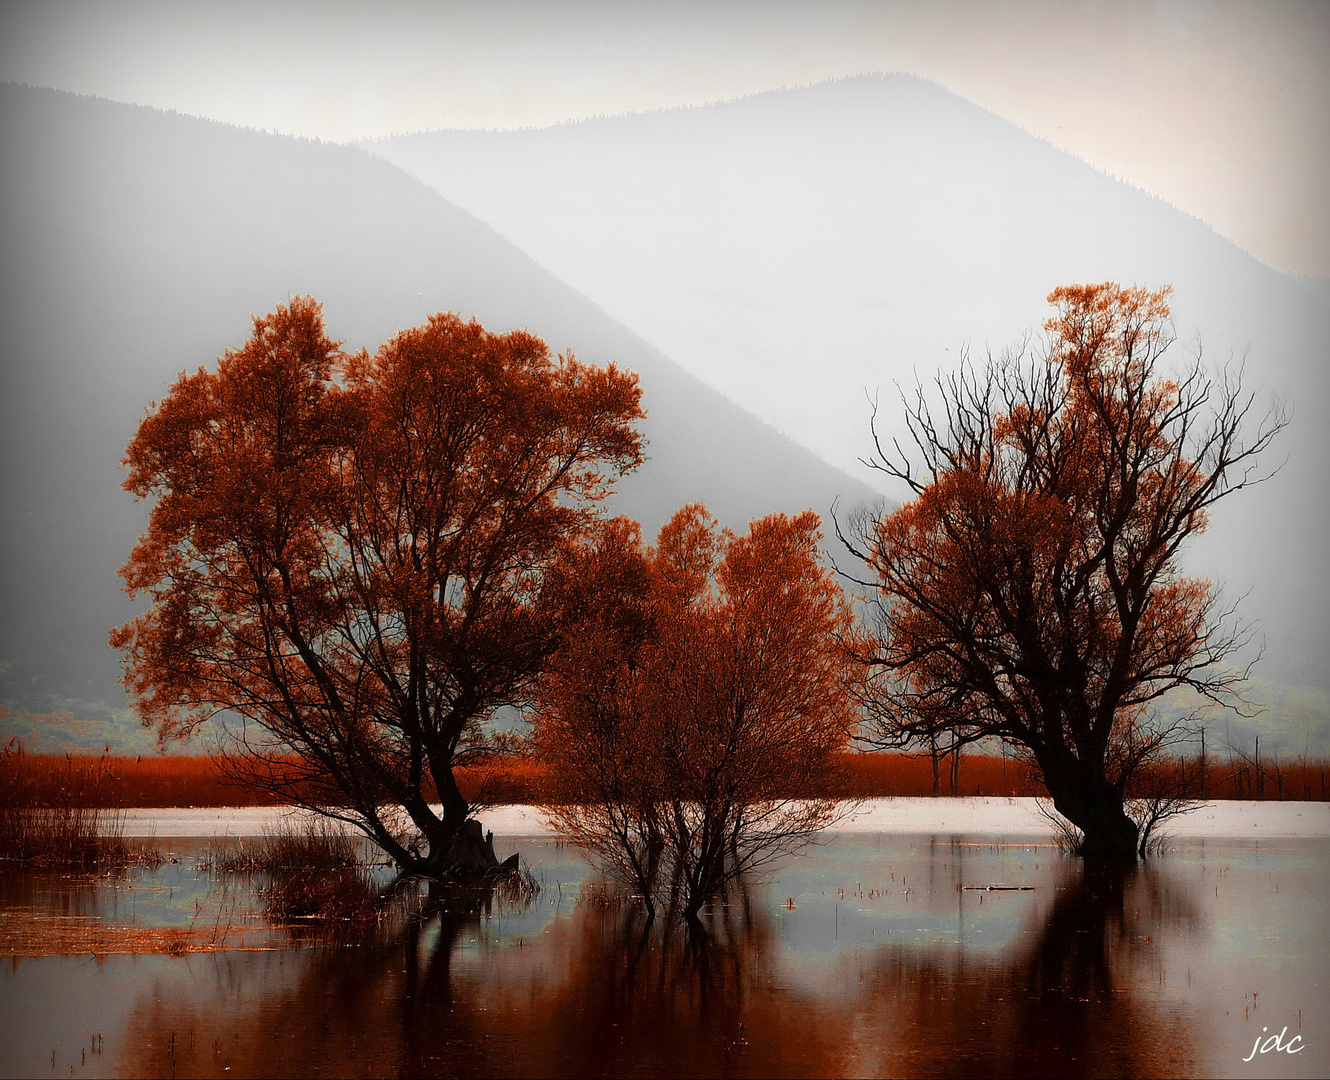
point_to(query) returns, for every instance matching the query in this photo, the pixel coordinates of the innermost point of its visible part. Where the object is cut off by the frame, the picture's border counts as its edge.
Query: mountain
(137, 243)
(798, 248)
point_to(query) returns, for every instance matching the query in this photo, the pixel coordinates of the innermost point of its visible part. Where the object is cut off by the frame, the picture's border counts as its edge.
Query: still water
(871, 954)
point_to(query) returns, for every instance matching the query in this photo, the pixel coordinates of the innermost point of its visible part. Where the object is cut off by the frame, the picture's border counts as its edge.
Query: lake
(873, 953)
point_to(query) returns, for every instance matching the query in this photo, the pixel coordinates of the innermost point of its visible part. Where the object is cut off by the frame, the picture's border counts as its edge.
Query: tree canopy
(693, 717)
(1030, 589)
(366, 556)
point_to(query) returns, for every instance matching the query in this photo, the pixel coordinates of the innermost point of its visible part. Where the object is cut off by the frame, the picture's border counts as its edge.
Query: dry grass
(110, 782)
(316, 876)
(862, 775)
(1241, 776)
(1234, 777)
(287, 849)
(322, 897)
(39, 832)
(113, 782)
(879, 775)
(61, 838)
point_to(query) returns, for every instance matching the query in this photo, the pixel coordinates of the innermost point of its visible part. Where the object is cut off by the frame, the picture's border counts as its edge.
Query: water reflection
(1063, 1000)
(602, 992)
(636, 999)
(610, 994)
(880, 965)
(168, 908)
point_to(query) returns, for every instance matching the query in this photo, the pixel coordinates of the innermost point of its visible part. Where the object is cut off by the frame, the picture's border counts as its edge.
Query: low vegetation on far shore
(75, 786)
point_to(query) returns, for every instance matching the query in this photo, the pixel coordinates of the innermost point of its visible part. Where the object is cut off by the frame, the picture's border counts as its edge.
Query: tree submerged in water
(1030, 589)
(693, 718)
(367, 557)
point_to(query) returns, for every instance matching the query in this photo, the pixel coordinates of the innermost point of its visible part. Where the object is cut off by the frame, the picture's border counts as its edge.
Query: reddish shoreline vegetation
(111, 782)
(48, 817)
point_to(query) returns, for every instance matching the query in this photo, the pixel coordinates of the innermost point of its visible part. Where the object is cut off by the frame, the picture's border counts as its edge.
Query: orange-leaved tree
(1030, 589)
(693, 718)
(366, 556)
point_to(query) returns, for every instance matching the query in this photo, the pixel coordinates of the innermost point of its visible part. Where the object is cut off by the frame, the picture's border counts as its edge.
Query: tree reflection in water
(666, 999)
(601, 992)
(1068, 1001)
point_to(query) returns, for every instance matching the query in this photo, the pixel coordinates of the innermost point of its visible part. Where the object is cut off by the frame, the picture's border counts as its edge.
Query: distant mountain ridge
(137, 244)
(796, 248)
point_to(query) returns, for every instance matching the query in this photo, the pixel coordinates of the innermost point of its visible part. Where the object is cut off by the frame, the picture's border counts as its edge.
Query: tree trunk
(1094, 806)
(471, 855)
(1203, 765)
(456, 842)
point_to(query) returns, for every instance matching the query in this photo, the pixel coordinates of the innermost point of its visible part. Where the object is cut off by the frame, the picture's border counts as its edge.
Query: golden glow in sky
(1219, 108)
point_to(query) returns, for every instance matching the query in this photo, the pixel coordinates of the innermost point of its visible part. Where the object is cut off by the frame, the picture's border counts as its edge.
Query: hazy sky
(1218, 107)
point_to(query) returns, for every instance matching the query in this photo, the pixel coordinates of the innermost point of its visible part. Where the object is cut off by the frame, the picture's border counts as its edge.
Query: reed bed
(316, 880)
(341, 899)
(319, 845)
(879, 775)
(1235, 775)
(312, 874)
(110, 782)
(39, 832)
(65, 838)
(114, 782)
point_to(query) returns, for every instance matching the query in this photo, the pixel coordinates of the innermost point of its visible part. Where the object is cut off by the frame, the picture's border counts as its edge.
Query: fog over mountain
(797, 248)
(137, 243)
